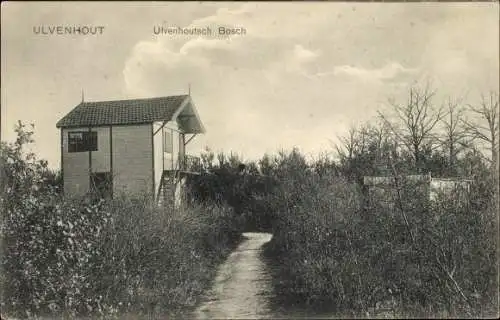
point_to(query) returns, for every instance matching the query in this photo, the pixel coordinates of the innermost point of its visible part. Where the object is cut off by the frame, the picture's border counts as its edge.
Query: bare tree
(485, 126)
(364, 150)
(415, 122)
(348, 144)
(360, 141)
(455, 138)
(383, 143)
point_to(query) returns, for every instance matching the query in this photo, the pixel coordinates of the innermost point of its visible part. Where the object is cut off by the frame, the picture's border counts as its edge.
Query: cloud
(261, 20)
(201, 43)
(238, 105)
(390, 71)
(294, 78)
(304, 55)
(293, 75)
(151, 64)
(292, 61)
(208, 60)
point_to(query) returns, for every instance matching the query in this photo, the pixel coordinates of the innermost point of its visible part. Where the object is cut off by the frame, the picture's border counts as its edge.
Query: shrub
(413, 259)
(78, 257)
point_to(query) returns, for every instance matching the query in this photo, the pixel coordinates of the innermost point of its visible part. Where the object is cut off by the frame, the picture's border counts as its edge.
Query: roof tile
(122, 112)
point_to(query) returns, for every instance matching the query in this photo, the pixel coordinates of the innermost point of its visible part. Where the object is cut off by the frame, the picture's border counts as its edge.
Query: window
(101, 184)
(82, 141)
(168, 143)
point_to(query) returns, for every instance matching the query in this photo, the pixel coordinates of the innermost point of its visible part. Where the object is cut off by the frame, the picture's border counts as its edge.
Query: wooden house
(134, 146)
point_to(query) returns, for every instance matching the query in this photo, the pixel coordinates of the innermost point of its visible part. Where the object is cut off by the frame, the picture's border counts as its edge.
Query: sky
(300, 76)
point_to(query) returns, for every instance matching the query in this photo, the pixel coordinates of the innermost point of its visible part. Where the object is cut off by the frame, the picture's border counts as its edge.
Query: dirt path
(242, 284)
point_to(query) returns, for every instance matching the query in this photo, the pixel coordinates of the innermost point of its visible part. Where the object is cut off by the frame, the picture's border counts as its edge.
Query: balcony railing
(182, 163)
(189, 163)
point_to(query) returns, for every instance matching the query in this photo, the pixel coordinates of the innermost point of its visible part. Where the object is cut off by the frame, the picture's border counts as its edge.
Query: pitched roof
(122, 112)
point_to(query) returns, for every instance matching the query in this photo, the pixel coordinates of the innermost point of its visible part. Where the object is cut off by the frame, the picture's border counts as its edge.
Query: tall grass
(64, 257)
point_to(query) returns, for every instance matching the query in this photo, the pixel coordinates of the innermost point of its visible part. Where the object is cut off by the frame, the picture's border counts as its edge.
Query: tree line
(450, 139)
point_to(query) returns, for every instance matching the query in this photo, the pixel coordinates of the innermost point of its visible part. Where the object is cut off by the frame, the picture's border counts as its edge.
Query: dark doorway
(101, 184)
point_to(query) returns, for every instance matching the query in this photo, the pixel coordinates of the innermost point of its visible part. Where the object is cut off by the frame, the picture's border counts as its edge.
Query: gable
(188, 119)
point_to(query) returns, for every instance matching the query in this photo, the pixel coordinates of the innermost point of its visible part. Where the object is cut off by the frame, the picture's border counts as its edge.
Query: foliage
(414, 258)
(76, 257)
(236, 184)
(411, 259)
